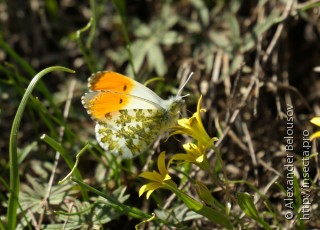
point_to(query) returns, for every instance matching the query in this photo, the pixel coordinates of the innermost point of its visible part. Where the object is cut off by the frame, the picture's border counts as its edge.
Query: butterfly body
(129, 116)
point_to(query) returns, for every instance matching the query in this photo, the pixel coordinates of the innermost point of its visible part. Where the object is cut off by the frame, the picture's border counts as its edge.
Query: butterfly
(129, 116)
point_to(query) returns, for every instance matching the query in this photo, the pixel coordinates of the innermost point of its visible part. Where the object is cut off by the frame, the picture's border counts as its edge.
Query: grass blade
(13, 155)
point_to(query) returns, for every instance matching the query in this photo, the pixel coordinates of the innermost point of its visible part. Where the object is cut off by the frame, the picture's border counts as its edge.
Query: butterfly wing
(112, 81)
(130, 132)
(112, 92)
(100, 104)
(129, 116)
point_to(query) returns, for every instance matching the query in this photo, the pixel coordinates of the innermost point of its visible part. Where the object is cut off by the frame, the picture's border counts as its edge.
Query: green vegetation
(255, 68)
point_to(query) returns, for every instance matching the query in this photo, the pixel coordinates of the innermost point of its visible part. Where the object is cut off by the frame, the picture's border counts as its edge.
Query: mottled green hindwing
(129, 132)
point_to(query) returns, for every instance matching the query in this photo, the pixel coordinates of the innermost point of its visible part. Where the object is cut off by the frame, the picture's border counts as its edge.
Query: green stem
(74, 168)
(16, 57)
(120, 5)
(81, 46)
(93, 24)
(226, 181)
(213, 215)
(13, 155)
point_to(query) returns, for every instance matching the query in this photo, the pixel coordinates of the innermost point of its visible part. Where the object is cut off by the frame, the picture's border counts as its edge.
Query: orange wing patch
(110, 81)
(103, 103)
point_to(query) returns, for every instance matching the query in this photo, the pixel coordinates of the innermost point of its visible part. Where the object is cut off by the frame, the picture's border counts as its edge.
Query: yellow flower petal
(200, 159)
(149, 187)
(153, 176)
(160, 179)
(199, 103)
(315, 121)
(149, 193)
(193, 127)
(195, 155)
(162, 164)
(315, 136)
(188, 147)
(142, 189)
(184, 122)
(167, 177)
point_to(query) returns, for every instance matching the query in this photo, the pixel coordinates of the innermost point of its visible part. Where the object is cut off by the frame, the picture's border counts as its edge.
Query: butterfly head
(173, 106)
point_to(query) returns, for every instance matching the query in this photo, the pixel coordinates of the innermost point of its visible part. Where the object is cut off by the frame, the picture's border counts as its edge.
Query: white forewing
(138, 90)
(144, 92)
(132, 102)
(136, 102)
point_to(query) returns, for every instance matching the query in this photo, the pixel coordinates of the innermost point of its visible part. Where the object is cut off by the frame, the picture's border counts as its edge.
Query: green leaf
(221, 39)
(119, 55)
(142, 31)
(251, 37)
(168, 17)
(156, 60)
(280, 186)
(203, 11)
(14, 170)
(23, 153)
(235, 5)
(114, 202)
(139, 50)
(120, 5)
(213, 215)
(59, 148)
(209, 61)
(310, 5)
(86, 51)
(247, 206)
(191, 26)
(98, 212)
(234, 28)
(31, 197)
(297, 193)
(171, 37)
(236, 63)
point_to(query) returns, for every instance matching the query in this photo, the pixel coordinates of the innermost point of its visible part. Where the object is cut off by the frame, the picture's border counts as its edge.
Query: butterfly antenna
(184, 84)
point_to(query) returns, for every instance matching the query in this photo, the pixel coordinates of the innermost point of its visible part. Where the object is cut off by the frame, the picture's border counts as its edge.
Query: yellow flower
(315, 121)
(159, 178)
(195, 155)
(193, 127)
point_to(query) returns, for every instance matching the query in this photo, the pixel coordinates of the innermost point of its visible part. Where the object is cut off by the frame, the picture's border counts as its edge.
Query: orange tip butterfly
(129, 115)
